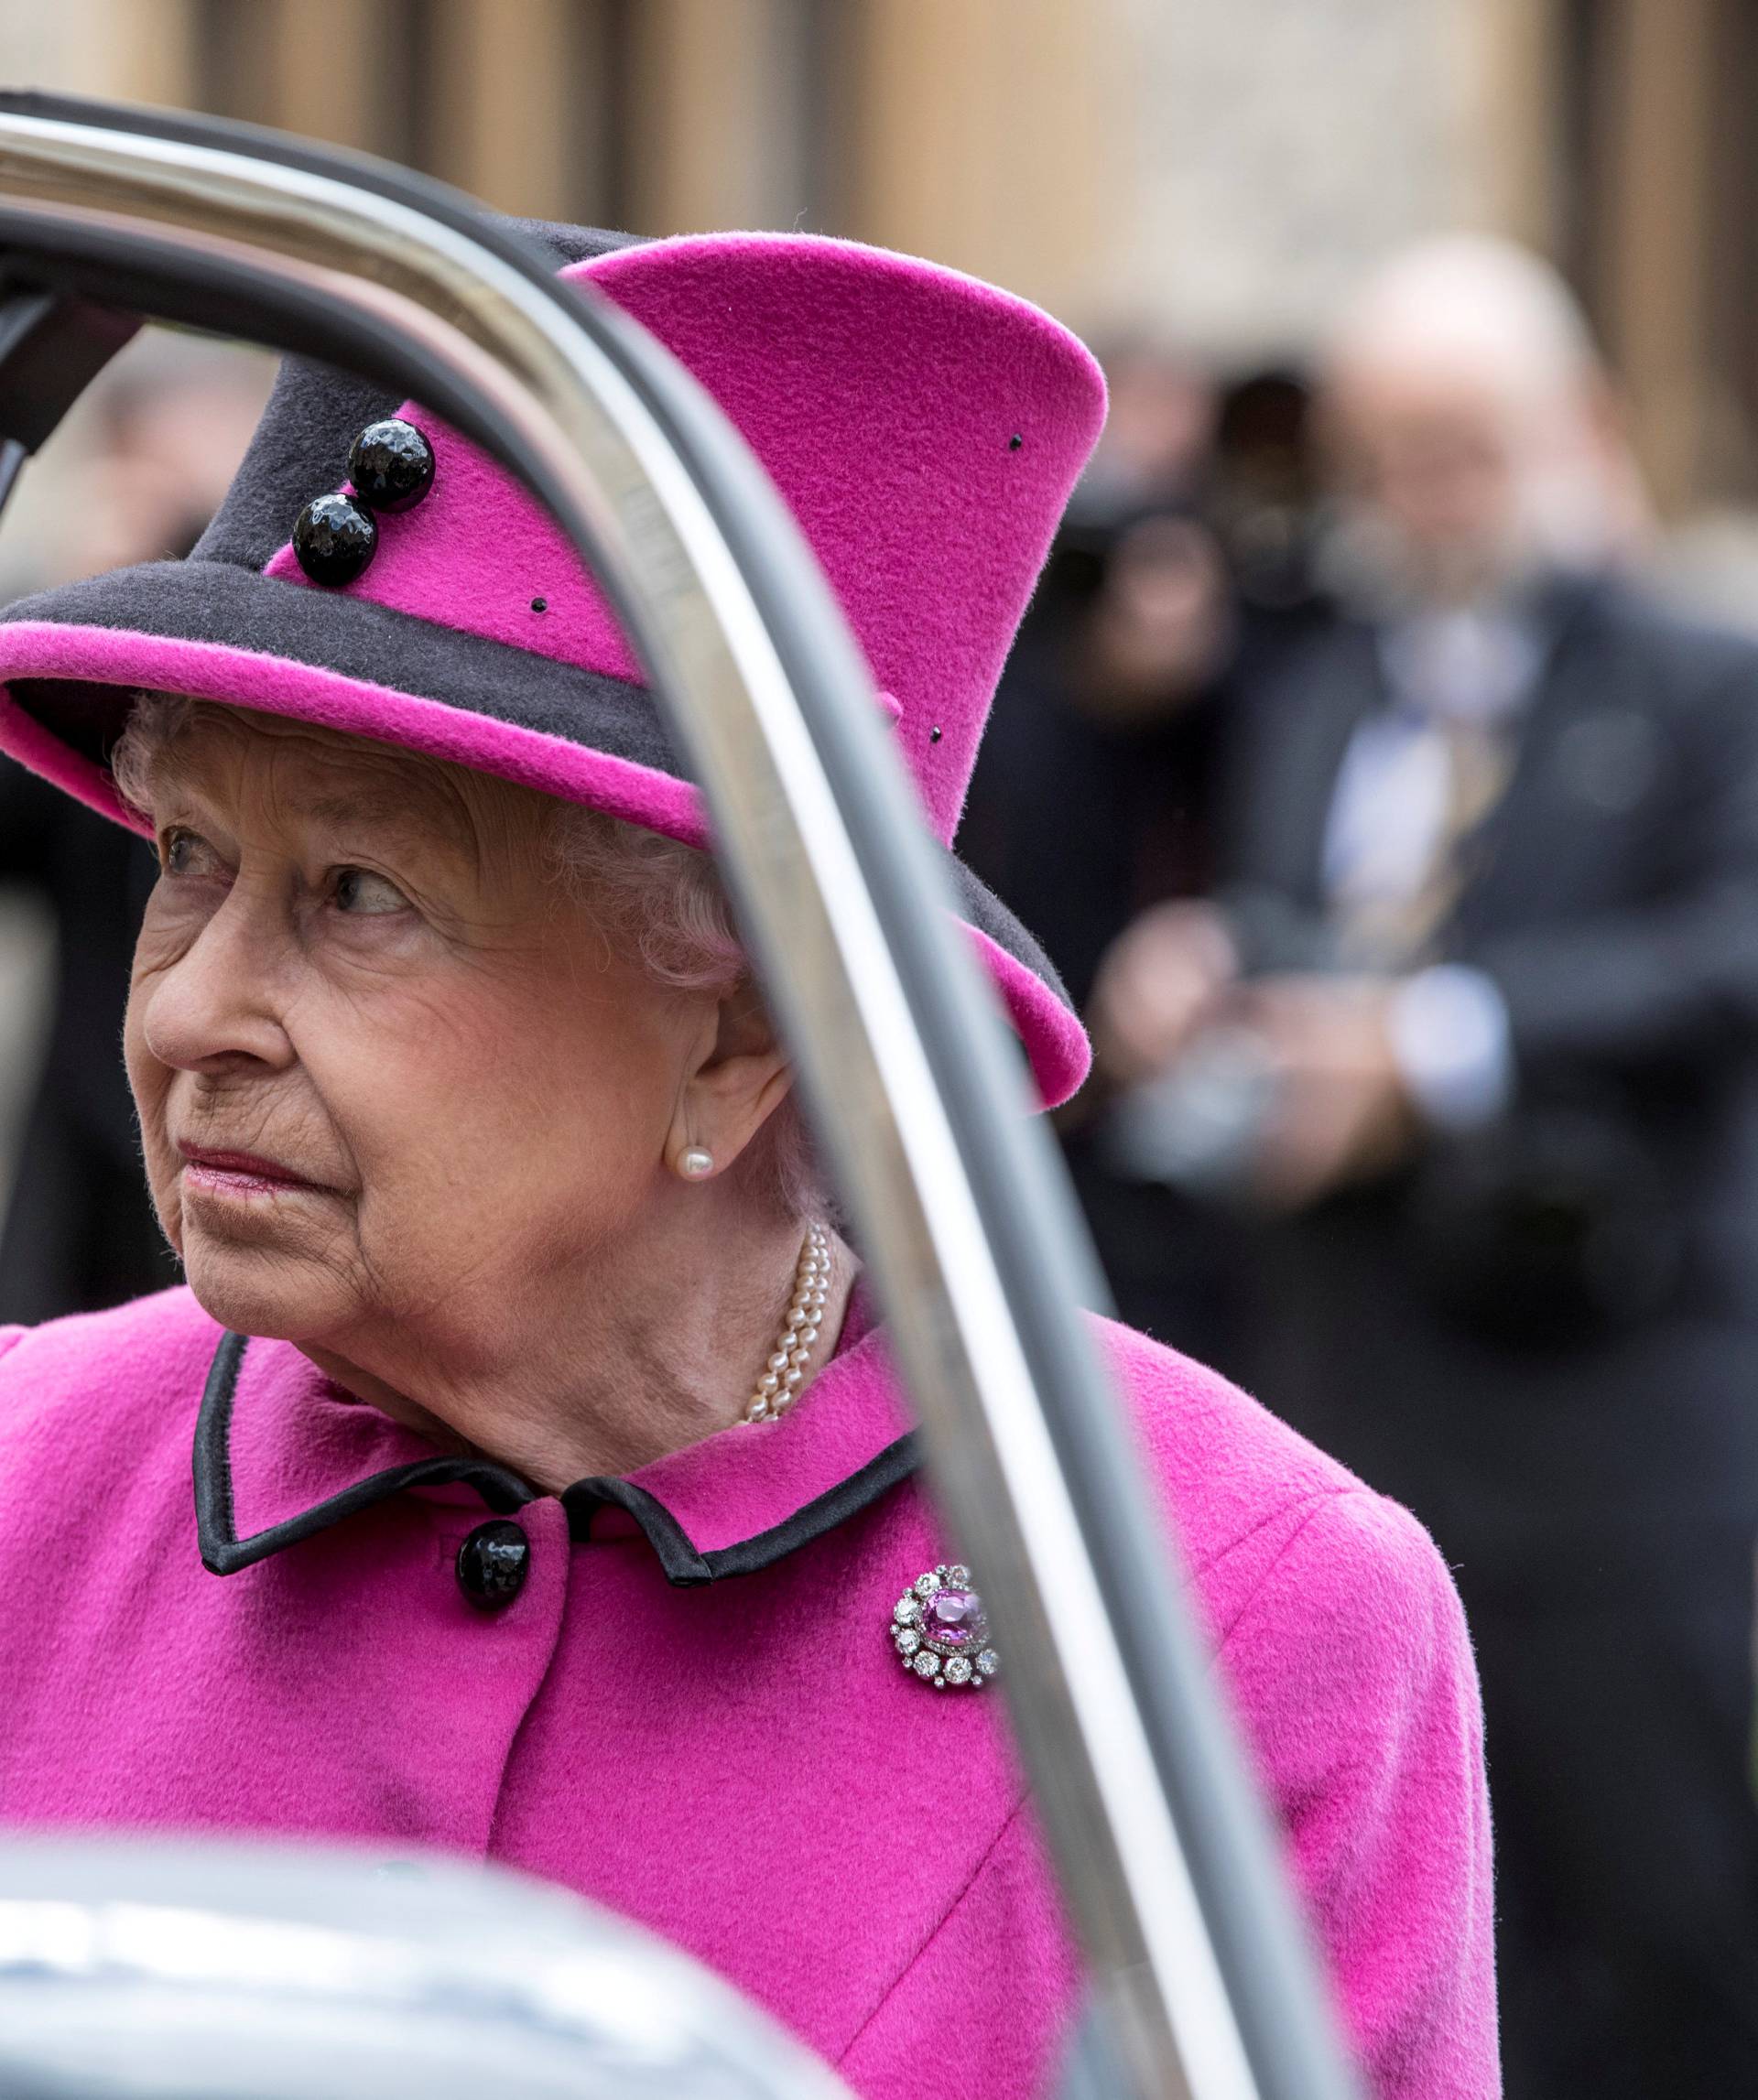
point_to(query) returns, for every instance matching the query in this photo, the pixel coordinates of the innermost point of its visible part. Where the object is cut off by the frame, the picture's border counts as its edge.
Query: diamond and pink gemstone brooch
(938, 1629)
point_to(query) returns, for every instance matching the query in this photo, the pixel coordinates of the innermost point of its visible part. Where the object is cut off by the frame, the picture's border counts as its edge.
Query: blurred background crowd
(1378, 764)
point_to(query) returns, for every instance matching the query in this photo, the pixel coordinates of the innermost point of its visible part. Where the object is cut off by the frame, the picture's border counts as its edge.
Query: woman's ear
(737, 1079)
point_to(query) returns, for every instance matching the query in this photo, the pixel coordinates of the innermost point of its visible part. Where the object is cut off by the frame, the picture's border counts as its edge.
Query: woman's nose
(219, 1006)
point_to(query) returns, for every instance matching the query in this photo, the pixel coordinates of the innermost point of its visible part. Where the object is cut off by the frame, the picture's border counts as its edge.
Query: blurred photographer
(1471, 1041)
(1093, 794)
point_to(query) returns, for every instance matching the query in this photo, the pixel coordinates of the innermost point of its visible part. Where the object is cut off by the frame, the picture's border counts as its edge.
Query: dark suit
(1544, 1339)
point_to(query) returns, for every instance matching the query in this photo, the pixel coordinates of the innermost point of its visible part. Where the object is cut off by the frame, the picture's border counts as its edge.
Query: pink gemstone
(954, 1617)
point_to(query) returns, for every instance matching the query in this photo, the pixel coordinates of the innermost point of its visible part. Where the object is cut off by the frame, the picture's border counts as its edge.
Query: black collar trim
(223, 1553)
(687, 1568)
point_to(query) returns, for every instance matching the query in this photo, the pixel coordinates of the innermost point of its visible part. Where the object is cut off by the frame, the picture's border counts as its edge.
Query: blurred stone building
(1217, 173)
(1220, 170)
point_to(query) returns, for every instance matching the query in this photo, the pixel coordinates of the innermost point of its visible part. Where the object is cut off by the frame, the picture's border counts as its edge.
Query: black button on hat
(334, 538)
(493, 1564)
(391, 465)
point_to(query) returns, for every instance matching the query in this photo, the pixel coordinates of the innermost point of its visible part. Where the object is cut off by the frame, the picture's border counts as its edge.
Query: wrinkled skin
(360, 967)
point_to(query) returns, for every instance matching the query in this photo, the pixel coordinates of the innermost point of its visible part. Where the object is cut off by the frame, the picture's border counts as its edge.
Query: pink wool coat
(692, 1711)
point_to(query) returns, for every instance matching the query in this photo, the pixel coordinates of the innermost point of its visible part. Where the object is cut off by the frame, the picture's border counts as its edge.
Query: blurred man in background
(1472, 1038)
(1180, 573)
(166, 424)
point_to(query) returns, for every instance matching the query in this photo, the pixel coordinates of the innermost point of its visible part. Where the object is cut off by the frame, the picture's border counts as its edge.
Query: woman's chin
(254, 1290)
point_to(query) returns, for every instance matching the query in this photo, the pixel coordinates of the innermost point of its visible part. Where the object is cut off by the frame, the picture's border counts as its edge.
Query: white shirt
(1388, 814)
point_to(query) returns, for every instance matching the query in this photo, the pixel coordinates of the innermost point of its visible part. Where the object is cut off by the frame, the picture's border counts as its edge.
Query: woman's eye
(359, 890)
(187, 853)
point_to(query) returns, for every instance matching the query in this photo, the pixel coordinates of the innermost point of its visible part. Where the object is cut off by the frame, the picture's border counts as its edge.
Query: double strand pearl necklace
(779, 1386)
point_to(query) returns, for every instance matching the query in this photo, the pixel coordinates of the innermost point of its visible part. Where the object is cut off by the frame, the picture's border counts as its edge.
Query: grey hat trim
(354, 638)
(213, 601)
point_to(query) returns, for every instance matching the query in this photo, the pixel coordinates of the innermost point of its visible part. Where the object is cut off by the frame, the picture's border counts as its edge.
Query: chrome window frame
(1202, 1981)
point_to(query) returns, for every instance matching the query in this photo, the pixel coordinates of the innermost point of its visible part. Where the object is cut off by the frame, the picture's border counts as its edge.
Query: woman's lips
(222, 1173)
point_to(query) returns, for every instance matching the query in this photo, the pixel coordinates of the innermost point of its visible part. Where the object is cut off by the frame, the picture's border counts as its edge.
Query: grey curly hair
(660, 901)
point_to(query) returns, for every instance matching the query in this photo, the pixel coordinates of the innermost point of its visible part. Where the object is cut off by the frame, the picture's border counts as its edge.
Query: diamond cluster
(941, 1632)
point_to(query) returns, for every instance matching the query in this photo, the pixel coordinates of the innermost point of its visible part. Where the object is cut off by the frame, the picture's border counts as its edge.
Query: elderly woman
(554, 1499)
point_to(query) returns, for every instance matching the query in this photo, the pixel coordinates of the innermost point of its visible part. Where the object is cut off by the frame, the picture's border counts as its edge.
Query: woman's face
(387, 1066)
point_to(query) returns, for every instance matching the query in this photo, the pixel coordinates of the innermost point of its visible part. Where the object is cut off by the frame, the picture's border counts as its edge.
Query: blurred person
(1178, 575)
(1091, 793)
(1093, 797)
(555, 1500)
(1265, 497)
(171, 418)
(1158, 436)
(1474, 1037)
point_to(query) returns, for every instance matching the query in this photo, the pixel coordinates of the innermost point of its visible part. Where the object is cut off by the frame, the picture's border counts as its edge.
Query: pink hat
(925, 429)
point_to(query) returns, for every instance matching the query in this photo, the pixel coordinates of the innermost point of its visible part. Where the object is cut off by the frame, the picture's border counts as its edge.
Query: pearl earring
(695, 1163)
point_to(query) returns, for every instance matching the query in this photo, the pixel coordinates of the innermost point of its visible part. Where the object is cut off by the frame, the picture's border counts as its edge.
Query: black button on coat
(493, 1564)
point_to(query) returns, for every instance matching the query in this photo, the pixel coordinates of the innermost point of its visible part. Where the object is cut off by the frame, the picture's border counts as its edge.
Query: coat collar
(282, 1454)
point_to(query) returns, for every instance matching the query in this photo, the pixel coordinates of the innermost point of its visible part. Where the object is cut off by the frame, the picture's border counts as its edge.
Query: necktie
(1445, 753)
(1382, 929)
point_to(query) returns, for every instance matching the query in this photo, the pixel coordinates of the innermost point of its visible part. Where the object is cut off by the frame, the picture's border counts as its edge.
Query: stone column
(710, 122)
(517, 100)
(321, 61)
(983, 135)
(1658, 128)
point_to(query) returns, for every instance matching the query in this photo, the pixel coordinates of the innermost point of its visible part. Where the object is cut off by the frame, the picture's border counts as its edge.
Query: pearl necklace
(781, 1376)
